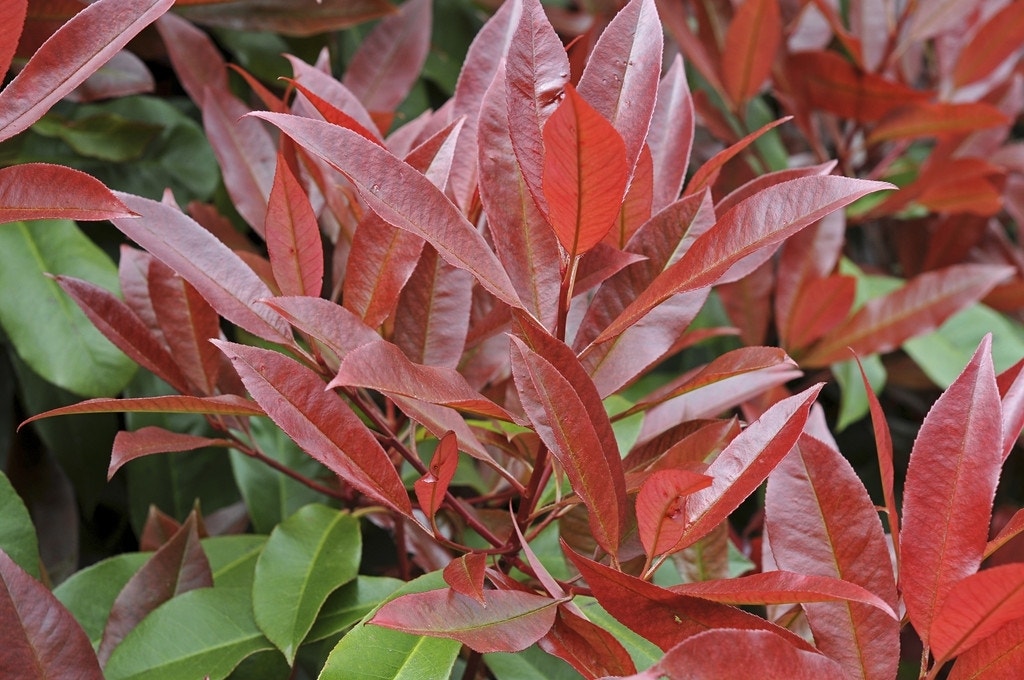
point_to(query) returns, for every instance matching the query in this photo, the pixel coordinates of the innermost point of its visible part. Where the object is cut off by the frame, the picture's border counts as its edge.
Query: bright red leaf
(998, 39)
(660, 508)
(433, 485)
(928, 119)
(293, 236)
(751, 41)
(27, 192)
(1000, 656)
(587, 647)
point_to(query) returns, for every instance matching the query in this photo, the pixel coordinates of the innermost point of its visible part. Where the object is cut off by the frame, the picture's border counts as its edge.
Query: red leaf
(590, 649)
(465, 575)
(1011, 392)
(585, 174)
(975, 608)
(227, 283)
(30, 192)
(290, 17)
(671, 135)
(224, 404)
(319, 421)
(821, 306)
(660, 508)
(338, 330)
(293, 236)
(761, 221)
(735, 653)
(762, 182)
(69, 56)
(390, 58)
(536, 71)
(42, 640)
(124, 328)
(433, 485)
(331, 99)
(149, 440)
(507, 621)
(938, 119)
(196, 60)
(951, 482)
(180, 565)
(621, 77)
(660, 615)
(821, 521)
(883, 448)
(708, 173)
(403, 197)
(1013, 528)
(10, 31)
(636, 204)
(998, 39)
(922, 305)
(997, 657)
(567, 414)
(741, 467)
(751, 41)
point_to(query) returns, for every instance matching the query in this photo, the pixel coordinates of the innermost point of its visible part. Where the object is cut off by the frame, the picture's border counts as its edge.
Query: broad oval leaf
(951, 482)
(28, 192)
(76, 51)
(585, 173)
(42, 641)
(307, 557)
(319, 421)
(507, 621)
(204, 632)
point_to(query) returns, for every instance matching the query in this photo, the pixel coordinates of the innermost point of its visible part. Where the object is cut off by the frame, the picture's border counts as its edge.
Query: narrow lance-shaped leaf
(10, 31)
(42, 640)
(403, 197)
(319, 421)
(293, 236)
(997, 40)
(760, 221)
(433, 485)
(751, 41)
(706, 174)
(1011, 391)
(196, 60)
(927, 119)
(225, 404)
(76, 51)
(149, 440)
(883, 449)
(951, 482)
(508, 621)
(671, 135)
(29, 191)
(585, 173)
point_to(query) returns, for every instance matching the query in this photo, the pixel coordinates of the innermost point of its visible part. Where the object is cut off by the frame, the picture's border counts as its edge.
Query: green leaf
(407, 657)
(643, 652)
(943, 353)
(48, 331)
(233, 559)
(201, 633)
(627, 429)
(90, 593)
(532, 662)
(17, 533)
(272, 496)
(104, 136)
(308, 556)
(347, 605)
(853, 404)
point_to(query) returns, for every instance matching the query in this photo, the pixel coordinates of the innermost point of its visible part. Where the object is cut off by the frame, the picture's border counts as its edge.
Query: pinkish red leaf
(71, 55)
(819, 307)
(382, 259)
(319, 421)
(403, 197)
(149, 440)
(660, 508)
(196, 60)
(10, 31)
(998, 39)
(925, 302)
(42, 640)
(975, 608)
(390, 58)
(30, 192)
(293, 236)
(227, 283)
(465, 575)
(433, 485)
(585, 174)
(338, 330)
(883, 449)
(937, 119)
(751, 41)
(290, 17)
(1011, 392)
(1000, 656)
(708, 173)
(567, 414)
(621, 77)
(590, 649)
(950, 485)
(821, 521)
(508, 621)
(328, 95)
(224, 405)
(180, 565)
(1014, 527)
(671, 135)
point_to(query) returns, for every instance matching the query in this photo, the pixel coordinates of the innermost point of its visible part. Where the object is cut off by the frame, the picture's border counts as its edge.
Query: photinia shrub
(437, 365)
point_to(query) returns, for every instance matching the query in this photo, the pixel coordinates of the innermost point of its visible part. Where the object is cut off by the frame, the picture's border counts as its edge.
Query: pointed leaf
(42, 639)
(1011, 391)
(671, 135)
(71, 55)
(196, 60)
(180, 565)
(28, 192)
(308, 556)
(319, 421)
(977, 607)
(11, 31)
(293, 236)
(621, 76)
(585, 173)
(921, 305)
(927, 119)
(225, 404)
(227, 283)
(433, 485)
(706, 174)
(339, 330)
(390, 58)
(382, 259)
(327, 93)
(508, 621)
(403, 197)
(997, 657)
(760, 221)
(660, 507)
(586, 646)
(999, 38)
(883, 449)
(751, 41)
(950, 485)
(149, 440)
(465, 575)
(290, 17)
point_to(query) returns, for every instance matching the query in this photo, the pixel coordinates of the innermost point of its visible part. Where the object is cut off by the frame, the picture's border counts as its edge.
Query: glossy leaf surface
(977, 607)
(26, 193)
(751, 42)
(293, 236)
